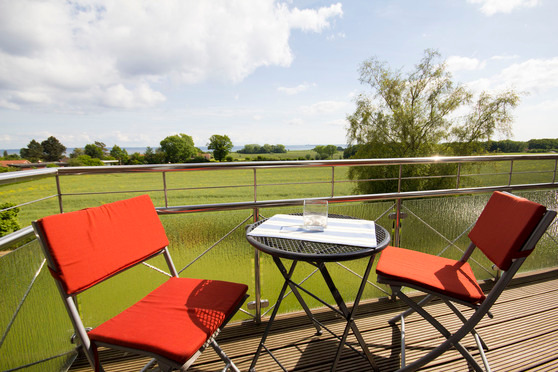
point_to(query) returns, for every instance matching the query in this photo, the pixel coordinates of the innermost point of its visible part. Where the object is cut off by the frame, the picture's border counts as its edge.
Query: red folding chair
(174, 323)
(506, 232)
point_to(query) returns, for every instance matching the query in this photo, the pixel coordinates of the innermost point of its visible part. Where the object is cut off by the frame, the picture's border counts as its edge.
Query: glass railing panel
(39, 335)
(545, 254)
(533, 171)
(206, 187)
(113, 182)
(439, 226)
(190, 235)
(27, 192)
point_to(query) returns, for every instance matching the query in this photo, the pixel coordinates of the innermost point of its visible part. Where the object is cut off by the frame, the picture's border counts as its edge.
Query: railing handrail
(11, 177)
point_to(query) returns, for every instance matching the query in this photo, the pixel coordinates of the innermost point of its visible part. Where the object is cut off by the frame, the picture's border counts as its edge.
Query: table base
(342, 310)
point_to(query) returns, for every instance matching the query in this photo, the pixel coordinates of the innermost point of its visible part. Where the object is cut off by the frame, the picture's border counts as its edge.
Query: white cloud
(491, 7)
(310, 20)
(86, 54)
(295, 90)
(456, 63)
(533, 75)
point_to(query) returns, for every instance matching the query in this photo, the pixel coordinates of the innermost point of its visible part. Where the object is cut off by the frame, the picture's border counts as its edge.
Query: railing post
(398, 209)
(458, 175)
(257, 281)
(332, 182)
(59, 193)
(555, 167)
(165, 189)
(511, 172)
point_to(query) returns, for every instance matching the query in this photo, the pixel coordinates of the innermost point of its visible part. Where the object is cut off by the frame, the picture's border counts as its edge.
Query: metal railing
(256, 204)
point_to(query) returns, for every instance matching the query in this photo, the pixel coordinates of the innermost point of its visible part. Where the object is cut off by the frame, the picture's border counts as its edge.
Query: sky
(132, 72)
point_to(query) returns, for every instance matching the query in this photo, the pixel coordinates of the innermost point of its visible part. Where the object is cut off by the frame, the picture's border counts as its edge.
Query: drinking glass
(315, 215)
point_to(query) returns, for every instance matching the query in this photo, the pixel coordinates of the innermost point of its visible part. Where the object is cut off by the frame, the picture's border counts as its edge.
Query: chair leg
(410, 310)
(453, 340)
(229, 364)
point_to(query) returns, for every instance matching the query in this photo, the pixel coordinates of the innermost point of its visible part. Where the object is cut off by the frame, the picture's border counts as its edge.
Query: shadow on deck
(522, 336)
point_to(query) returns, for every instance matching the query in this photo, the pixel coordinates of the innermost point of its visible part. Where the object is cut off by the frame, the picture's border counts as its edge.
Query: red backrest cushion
(90, 245)
(504, 226)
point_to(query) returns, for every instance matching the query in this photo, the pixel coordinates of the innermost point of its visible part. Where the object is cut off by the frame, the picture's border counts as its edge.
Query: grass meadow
(232, 258)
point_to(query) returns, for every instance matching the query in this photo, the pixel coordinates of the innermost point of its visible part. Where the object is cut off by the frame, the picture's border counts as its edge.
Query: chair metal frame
(469, 324)
(90, 348)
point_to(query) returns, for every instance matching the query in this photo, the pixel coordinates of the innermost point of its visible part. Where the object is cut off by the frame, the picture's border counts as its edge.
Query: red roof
(5, 163)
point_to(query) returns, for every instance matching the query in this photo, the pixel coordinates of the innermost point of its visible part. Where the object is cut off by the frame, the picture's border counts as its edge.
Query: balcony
(204, 208)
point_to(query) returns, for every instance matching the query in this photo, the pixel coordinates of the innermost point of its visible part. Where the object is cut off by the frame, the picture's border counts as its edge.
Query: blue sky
(281, 72)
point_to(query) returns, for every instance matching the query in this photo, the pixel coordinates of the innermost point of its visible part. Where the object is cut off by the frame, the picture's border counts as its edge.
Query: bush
(8, 219)
(84, 160)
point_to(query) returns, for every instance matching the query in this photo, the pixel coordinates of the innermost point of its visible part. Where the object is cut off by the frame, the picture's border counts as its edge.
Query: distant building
(22, 164)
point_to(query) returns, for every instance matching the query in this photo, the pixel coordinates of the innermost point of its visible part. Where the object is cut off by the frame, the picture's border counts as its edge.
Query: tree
(93, 151)
(136, 158)
(52, 149)
(490, 113)
(153, 157)
(411, 116)
(8, 219)
(77, 152)
(221, 146)
(326, 152)
(33, 152)
(119, 154)
(278, 149)
(178, 148)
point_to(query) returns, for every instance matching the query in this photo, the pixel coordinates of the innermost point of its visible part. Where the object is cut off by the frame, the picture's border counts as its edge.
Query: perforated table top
(303, 250)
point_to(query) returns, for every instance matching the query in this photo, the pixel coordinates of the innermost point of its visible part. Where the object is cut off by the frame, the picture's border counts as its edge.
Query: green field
(43, 321)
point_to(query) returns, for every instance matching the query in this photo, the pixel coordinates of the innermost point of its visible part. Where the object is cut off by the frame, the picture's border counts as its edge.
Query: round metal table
(317, 254)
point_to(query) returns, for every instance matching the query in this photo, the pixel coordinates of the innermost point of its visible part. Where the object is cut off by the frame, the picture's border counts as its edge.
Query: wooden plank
(522, 336)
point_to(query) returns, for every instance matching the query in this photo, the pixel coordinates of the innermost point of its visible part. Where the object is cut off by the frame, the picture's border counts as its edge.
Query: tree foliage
(326, 152)
(221, 146)
(33, 152)
(543, 144)
(8, 219)
(84, 161)
(153, 156)
(52, 149)
(178, 148)
(413, 115)
(265, 149)
(119, 154)
(96, 150)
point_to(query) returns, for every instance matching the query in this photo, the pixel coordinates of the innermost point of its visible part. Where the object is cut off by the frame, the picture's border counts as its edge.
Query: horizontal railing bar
(30, 202)
(296, 164)
(28, 175)
(346, 199)
(109, 192)
(11, 177)
(16, 236)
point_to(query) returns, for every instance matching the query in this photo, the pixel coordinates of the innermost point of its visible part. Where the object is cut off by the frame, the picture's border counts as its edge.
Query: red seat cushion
(438, 274)
(504, 226)
(175, 319)
(90, 245)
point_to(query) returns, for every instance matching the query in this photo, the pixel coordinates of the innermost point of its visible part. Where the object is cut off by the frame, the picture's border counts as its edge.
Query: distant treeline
(534, 145)
(504, 146)
(265, 149)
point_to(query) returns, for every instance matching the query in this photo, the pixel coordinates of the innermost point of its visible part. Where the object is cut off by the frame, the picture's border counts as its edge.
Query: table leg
(273, 314)
(293, 287)
(349, 314)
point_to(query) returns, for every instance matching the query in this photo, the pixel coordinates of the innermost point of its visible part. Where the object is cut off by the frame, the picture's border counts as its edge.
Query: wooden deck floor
(522, 336)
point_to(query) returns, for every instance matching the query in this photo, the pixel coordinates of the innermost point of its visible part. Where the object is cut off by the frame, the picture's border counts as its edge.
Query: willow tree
(414, 115)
